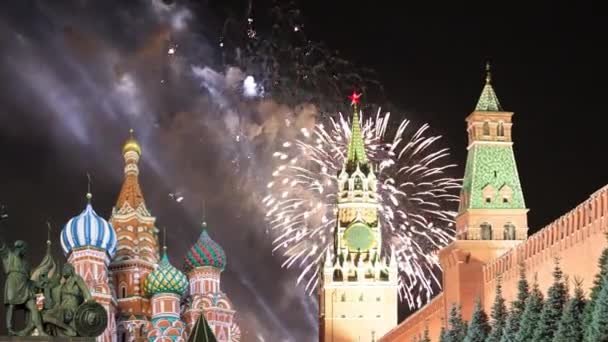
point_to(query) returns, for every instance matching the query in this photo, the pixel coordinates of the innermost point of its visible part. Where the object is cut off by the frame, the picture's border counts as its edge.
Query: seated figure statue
(67, 297)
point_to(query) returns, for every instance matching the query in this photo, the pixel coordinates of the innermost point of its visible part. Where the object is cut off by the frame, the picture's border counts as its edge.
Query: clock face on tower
(359, 237)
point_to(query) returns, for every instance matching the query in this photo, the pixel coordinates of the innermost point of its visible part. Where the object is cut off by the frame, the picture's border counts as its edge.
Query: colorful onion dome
(131, 144)
(166, 279)
(88, 230)
(205, 252)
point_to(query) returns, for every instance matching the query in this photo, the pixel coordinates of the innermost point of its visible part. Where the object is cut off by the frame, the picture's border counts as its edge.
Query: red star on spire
(354, 98)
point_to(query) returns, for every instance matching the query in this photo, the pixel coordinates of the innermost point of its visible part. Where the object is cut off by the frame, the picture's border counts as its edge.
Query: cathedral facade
(123, 265)
(492, 239)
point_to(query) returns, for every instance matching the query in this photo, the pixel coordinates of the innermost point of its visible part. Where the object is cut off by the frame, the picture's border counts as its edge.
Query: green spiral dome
(166, 279)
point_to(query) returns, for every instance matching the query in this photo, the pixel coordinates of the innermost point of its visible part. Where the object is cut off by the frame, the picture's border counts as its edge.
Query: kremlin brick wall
(577, 239)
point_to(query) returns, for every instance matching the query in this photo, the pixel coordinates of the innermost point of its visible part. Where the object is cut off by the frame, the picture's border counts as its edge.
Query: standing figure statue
(18, 288)
(67, 307)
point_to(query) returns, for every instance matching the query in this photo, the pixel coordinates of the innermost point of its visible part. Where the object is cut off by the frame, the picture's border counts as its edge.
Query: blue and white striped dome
(88, 230)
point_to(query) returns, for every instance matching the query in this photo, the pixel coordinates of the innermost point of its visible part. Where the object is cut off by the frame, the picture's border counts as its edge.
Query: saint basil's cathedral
(146, 297)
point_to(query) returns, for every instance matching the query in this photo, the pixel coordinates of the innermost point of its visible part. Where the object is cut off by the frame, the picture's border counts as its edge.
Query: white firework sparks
(416, 199)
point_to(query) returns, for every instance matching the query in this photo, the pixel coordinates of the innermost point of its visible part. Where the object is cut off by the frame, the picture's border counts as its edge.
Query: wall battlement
(577, 239)
(413, 327)
(586, 220)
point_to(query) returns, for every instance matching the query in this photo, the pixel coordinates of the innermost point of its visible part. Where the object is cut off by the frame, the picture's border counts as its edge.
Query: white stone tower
(358, 293)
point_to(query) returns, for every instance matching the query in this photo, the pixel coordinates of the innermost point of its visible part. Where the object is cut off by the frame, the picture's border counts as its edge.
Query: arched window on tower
(486, 231)
(500, 130)
(123, 291)
(358, 183)
(509, 231)
(486, 128)
(122, 336)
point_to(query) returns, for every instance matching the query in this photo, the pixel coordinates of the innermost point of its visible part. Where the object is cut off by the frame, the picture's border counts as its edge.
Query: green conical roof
(488, 101)
(356, 146)
(202, 331)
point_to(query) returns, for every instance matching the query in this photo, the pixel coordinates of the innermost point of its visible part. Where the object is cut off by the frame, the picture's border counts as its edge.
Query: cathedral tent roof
(130, 191)
(201, 332)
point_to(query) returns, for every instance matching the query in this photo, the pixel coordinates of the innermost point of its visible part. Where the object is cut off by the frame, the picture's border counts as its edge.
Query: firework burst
(415, 198)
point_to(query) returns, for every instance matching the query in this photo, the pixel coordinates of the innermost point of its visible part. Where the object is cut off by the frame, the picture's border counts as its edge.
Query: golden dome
(131, 144)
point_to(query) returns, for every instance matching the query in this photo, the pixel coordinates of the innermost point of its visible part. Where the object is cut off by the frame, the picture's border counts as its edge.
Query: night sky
(78, 74)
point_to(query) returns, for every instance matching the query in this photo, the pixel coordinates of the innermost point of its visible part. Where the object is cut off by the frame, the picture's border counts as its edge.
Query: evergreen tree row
(533, 318)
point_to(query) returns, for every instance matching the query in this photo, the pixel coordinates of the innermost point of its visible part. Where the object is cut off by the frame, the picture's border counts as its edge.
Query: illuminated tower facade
(166, 285)
(204, 264)
(492, 217)
(89, 242)
(136, 252)
(358, 289)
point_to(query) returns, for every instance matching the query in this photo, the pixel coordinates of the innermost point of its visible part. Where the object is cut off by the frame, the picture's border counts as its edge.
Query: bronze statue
(67, 297)
(68, 308)
(18, 288)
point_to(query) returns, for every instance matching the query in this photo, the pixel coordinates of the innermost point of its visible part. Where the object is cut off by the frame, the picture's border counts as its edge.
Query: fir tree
(509, 333)
(443, 335)
(598, 331)
(523, 291)
(595, 291)
(517, 307)
(479, 327)
(571, 325)
(499, 315)
(458, 327)
(426, 337)
(531, 315)
(553, 308)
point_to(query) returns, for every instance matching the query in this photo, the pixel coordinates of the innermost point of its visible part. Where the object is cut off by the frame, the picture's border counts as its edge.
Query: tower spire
(357, 246)
(131, 192)
(488, 73)
(89, 194)
(328, 261)
(356, 147)
(131, 144)
(48, 236)
(204, 223)
(488, 101)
